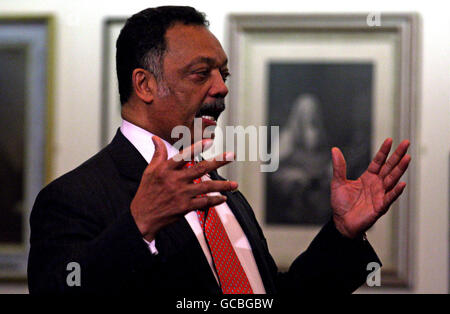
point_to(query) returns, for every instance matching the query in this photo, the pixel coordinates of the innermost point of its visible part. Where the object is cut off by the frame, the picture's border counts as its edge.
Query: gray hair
(153, 61)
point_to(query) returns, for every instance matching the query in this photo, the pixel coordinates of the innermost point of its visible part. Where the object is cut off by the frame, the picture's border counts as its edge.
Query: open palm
(357, 204)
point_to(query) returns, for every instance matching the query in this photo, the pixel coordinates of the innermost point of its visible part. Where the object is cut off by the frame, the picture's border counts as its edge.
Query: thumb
(160, 153)
(339, 165)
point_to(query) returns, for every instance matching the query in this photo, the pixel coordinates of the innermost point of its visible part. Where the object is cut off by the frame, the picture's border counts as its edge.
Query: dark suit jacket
(84, 217)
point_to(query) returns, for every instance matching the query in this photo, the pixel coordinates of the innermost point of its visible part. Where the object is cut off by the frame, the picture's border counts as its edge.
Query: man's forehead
(213, 62)
(186, 31)
(196, 43)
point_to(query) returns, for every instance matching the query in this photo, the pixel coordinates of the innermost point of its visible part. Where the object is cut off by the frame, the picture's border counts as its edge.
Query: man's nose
(218, 87)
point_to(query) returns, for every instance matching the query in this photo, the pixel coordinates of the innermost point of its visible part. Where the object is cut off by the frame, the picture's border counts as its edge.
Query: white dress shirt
(142, 141)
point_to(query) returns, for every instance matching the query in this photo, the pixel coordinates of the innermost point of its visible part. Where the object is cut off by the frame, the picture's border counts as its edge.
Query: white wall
(78, 97)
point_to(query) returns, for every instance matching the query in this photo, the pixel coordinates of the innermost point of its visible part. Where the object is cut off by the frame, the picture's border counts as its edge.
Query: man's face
(195, 70)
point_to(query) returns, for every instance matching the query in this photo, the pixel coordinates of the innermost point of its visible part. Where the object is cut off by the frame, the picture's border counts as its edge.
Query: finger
(390, 164)
(392, 195)
(189, 154)
(339, 165)
(207, 166)
(160, 153)
(380, 158)
(212, 186)
(198, 203)
(392, 178)
(378, 193)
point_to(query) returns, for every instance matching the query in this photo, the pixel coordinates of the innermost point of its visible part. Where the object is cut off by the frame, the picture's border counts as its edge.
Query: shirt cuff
(152, 247)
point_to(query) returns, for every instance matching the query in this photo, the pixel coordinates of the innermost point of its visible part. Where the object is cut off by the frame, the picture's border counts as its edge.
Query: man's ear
(144, 85)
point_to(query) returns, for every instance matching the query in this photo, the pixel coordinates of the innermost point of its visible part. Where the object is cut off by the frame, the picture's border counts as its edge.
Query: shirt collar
(142, 141)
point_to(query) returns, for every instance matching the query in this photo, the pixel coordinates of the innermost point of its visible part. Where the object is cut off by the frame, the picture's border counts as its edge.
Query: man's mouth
(209, 120)
(210, 112)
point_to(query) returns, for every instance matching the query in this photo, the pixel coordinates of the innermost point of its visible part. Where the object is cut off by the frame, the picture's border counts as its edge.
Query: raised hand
(167, 192)
(357, 204)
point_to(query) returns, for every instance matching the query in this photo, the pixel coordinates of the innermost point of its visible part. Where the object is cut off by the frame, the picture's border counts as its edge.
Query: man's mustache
(213, 109)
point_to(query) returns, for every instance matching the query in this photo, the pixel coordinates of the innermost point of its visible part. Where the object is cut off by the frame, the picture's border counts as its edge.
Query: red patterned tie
(232, 277)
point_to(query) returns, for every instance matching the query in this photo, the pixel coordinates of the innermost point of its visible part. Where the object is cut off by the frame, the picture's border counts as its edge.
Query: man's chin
(208, 131)
(205, 126)
(212, 136)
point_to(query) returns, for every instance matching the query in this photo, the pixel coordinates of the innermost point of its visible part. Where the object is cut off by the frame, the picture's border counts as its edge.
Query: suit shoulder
(89, 176)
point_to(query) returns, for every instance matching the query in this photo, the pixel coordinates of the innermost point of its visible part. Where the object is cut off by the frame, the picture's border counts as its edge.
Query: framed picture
(325, 80)
(111, 118)
(26, 47)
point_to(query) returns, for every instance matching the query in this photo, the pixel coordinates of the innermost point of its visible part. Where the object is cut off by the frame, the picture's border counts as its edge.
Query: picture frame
(334, 45)
(111, 118)
(27, 62)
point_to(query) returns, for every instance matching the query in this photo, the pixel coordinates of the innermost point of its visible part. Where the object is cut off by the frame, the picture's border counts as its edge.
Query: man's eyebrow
(209, 61)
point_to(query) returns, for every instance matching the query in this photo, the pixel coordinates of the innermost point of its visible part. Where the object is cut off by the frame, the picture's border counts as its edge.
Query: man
(138, 218)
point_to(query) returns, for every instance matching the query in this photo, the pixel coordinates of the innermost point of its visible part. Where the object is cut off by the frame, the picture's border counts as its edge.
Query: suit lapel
(127, 158)
(178, 243)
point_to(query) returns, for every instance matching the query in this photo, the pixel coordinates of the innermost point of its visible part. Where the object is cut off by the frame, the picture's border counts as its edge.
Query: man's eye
(202, 74)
